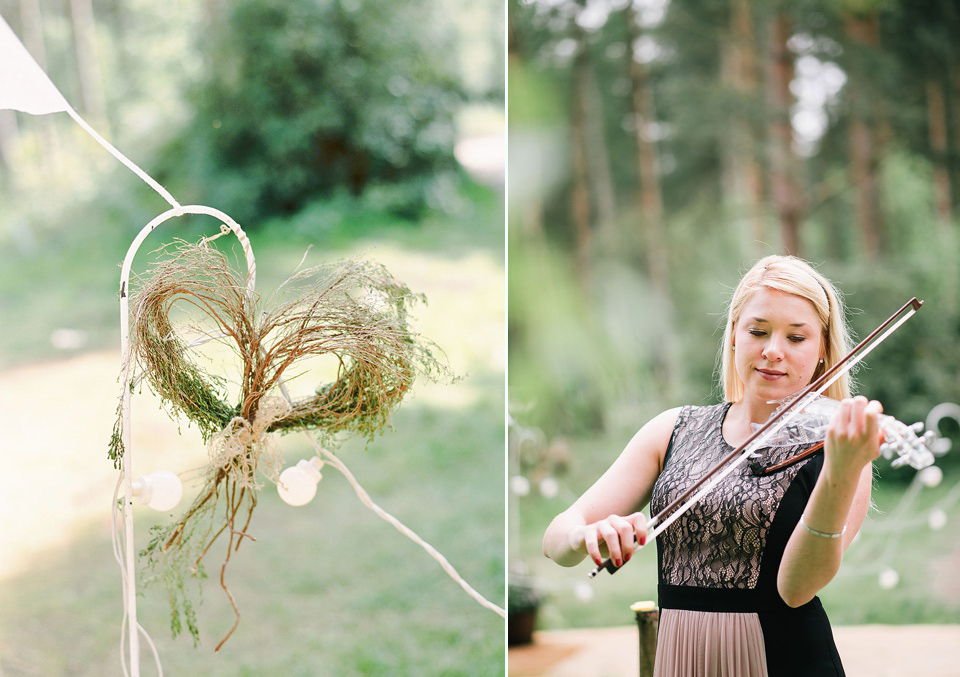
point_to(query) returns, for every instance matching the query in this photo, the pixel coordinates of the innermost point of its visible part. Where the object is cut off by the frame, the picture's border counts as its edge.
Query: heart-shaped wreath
(353, 311)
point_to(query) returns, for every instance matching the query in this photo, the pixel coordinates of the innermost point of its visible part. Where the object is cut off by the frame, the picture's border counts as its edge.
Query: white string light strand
(130, 164)
(365, 498)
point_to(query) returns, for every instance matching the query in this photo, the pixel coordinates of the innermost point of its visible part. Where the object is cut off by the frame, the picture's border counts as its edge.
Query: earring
(821, 360)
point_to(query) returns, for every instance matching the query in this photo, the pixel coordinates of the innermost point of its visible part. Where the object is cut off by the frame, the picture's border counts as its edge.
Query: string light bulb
(298, 484)
(161, 490)
(888, 578)
(930, 476)
(937, 519)
(520, 485)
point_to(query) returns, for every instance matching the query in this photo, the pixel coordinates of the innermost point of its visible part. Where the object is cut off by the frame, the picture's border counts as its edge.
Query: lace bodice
(719, 542)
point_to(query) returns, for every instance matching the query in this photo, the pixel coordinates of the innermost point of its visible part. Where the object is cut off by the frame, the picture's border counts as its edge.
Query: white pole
(130, 579)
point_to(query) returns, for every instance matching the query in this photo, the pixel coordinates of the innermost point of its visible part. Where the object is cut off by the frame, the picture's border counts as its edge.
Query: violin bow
(780, 418)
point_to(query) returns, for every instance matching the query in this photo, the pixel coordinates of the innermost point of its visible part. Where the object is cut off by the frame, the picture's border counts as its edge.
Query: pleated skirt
(709, 644)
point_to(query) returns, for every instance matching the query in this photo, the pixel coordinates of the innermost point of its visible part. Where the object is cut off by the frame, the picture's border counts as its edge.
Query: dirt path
(56, 478)
(866, 650)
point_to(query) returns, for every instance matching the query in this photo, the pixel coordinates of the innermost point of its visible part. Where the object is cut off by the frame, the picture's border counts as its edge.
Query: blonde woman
(740, 571)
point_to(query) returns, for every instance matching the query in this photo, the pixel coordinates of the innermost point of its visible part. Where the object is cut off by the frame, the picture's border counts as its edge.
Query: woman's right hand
(626, 486)
(616, 537)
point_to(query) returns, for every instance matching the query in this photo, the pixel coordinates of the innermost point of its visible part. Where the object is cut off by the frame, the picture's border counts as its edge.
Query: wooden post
(648, 620)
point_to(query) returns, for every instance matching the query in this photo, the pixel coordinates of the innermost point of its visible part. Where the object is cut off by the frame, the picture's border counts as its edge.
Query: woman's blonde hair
(791, 275)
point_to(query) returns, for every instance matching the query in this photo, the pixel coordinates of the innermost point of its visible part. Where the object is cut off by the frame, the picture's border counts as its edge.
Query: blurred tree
(862, 32)
(743, 185)
(601, 172)
(787, 196)
(304, 97)
(647, 195)
(921, 37)
(90, 77)
(648, 199)
(580, 202)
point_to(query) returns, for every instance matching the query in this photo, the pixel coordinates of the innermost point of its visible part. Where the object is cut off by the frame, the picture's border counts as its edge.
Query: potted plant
(523, 603)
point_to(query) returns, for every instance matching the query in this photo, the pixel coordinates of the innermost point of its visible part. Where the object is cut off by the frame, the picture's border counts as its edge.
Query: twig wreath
(354, 311)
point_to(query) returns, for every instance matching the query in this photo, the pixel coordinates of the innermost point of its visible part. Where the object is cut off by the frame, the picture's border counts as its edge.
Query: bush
(303, 98)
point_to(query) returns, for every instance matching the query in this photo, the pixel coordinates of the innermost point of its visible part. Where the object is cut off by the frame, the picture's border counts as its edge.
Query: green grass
(925, 559)
(326, 589)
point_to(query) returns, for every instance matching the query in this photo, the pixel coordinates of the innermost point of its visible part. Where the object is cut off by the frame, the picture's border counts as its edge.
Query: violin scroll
(904, 445)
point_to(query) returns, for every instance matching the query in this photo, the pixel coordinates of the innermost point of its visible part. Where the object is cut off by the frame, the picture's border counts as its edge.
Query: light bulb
(888, 578)
(931, 476)
(520, 485)
(298, 483)
(161, 490)
(937, 519)
(549, 487)
(583, 591)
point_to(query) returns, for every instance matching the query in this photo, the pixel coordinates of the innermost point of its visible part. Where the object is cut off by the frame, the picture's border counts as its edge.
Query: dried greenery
(354, 311)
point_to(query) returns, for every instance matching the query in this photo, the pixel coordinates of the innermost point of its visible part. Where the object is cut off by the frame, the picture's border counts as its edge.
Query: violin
(902, 444)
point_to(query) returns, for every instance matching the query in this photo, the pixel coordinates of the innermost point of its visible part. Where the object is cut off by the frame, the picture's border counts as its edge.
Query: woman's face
(777, 344)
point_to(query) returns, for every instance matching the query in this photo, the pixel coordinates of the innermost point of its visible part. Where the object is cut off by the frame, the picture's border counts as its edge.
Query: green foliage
(522, 598)
(916, 368)
(302, 98)
(174, 578)
(614, 328)
(574, 363)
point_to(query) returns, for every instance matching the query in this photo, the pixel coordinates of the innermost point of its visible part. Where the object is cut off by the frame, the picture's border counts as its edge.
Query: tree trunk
(647, 197)
(598, 160)
(88, 65)
(743, 180)
(786, 192)
(649, 204)
(864, 135)
(862, 166)
(8, 136)
(955, 146)
(580, 194)
(937, 119)
(31, 18)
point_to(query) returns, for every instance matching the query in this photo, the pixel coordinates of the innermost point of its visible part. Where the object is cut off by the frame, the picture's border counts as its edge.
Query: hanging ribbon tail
(26, 88)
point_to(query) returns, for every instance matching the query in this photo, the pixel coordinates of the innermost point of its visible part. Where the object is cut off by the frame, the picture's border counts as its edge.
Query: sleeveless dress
(721, 614)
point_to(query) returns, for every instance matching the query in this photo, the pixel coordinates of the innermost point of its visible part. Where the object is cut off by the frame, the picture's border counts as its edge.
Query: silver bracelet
(822, 534)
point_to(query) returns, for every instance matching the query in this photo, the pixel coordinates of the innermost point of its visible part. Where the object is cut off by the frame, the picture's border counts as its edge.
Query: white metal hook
(126, 466)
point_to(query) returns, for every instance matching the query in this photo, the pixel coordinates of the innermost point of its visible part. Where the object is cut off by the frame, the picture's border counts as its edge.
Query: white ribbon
(25, 87)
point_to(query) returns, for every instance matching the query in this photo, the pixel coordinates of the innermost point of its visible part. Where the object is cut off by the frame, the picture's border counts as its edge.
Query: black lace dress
(721, 614)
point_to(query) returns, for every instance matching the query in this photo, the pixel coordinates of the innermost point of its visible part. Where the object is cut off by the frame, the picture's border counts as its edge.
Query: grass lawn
(326, 589)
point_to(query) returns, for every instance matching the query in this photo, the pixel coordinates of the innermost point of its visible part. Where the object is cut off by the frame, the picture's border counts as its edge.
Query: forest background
(327, 129)
(656, 150)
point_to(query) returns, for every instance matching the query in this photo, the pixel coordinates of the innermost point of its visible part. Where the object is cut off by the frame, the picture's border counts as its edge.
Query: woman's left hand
(853, 437)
